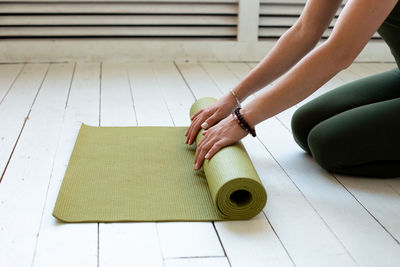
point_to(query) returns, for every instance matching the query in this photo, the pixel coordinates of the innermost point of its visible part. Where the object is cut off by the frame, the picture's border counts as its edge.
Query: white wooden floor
(312, 218)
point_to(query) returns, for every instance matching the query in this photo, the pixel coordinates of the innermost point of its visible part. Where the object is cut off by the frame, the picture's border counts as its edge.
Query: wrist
(239, 91)
(249, 116)
(243, 123)
(238, 103)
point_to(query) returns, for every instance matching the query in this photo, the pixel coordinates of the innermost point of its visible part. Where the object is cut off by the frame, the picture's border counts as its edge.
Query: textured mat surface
(146, 174)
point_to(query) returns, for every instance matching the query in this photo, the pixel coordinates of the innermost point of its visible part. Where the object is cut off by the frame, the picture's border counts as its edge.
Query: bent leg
(372, 89)
(363, 141)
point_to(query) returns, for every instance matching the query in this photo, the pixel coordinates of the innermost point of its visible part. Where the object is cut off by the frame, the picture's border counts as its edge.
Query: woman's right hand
(207, 117)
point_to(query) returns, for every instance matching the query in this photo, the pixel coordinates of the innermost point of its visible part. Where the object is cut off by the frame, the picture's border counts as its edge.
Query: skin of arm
(305, 34)
(291, 46)
(350, 35)
(358, 21)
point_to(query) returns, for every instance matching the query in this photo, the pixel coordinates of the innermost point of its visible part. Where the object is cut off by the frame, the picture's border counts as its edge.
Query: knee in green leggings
(354, 129)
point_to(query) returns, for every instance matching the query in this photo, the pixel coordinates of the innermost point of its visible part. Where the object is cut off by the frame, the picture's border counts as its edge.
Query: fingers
(207, 151)
(195, 114)
(192, 118)
(201, 151)
(214, 149)
(209, 122)
(193, 130)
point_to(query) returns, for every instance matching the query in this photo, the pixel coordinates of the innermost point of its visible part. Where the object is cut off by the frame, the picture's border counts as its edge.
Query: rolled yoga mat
(146, 174)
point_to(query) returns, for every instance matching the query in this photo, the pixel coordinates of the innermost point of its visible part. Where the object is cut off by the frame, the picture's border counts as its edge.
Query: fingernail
(196, 166)
(204, 125)
(207, 156)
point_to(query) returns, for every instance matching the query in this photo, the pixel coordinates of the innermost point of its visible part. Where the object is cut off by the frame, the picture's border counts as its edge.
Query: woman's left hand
(223, 134)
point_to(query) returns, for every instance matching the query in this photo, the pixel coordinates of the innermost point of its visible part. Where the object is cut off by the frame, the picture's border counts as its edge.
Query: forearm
(307, 76)
(283, 56)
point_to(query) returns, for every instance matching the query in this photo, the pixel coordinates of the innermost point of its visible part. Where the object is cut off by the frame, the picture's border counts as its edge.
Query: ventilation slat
(283, 21)
(293, 10)
(117, 20)
(118, 7)
(277, 16)
(284, 10)
(109, 18)
(302, 2)
(117, 31)
(136, 1)
(288, 2)
(272, 32)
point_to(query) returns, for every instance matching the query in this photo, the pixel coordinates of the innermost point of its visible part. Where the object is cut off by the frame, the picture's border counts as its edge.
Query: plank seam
(160, 91)
(280, 241)
(98, 244)
(283, 123)
(99, 124)
(70, 85)
(190, 89)
(15, 145)
(393, 188)
(222, 245)
(212, 79)
(194, 257)
(184, 79)
(137, 124)
(12, 84)
(100, 85)
(131, 93)
(159, 244)
(359, 202)
(309, 202)
(23, 125)
(51, 175)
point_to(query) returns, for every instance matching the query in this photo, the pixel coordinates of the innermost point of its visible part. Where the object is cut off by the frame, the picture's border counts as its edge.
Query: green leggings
(355, 128)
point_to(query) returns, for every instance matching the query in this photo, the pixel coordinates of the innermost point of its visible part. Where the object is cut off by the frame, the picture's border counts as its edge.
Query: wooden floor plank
(378, 67)
(374, 205)
(15, 108)
(378, 196)
(71, 244)
(8, 74)
(394, 184)
(129, 244)
(24, 187)
(371, 193)
(202, 235)
(175, 92)
(363, 69)
(365, 239)
(150, 82)
(197, 262)
(311, 219)
(123, 244)
(116, 97)
(240, 239)
(284, 199)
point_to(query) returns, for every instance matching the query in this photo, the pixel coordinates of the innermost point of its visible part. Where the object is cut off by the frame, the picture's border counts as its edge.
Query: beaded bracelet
(242, 122)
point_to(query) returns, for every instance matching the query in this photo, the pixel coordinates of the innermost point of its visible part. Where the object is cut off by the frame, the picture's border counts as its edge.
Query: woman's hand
(207, 117)
(224, 133)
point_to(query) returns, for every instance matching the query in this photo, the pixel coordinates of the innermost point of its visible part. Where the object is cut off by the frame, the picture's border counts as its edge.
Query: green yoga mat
(146, 174)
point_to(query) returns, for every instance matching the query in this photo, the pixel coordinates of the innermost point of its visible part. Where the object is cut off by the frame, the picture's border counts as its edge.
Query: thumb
(209, 122)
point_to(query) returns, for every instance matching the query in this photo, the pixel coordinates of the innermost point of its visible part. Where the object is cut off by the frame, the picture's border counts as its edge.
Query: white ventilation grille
(141, 19)
(277, 16)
